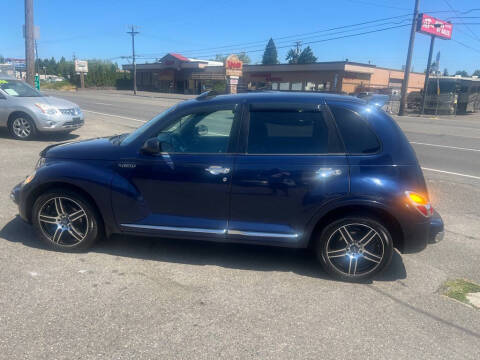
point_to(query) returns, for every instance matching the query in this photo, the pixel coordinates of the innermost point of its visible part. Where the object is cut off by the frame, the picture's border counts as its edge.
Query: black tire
(362, 257)
(22, 127)
(79, 231)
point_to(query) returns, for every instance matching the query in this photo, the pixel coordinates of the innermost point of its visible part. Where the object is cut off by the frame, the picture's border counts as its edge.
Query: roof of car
(277, 96)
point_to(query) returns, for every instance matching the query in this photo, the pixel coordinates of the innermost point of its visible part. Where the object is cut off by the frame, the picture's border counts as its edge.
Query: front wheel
(22, 127)
(66, 221)
(354, 248)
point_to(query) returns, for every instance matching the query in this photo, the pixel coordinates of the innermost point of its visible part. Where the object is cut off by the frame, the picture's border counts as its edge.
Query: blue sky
(97, 29)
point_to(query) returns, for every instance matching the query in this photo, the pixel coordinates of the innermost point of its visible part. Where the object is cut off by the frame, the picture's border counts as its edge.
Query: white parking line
(452, 173)
(98, 103)
(445, 146)
(117, 116)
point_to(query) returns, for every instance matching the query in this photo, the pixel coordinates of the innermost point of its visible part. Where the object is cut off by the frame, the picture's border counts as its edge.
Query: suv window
(291, 132)
(356, 134)
(199, 132)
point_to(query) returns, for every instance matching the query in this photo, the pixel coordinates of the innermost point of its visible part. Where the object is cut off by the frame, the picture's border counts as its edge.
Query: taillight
(420, 203)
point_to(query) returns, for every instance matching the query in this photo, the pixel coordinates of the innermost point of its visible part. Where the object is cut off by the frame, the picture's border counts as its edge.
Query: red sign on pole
(436, 27)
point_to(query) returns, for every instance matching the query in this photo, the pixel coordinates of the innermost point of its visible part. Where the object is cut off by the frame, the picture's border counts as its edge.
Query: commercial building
(179, 74)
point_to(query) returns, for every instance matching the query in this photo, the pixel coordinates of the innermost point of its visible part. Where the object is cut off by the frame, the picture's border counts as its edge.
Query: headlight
(47, 109)
(40, 163)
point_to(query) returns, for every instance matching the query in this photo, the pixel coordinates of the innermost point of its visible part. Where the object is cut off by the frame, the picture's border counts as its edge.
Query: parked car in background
(300, 170)
(26, 111)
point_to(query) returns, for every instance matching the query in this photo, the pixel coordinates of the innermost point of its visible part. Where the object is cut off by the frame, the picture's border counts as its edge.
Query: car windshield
(137, 133)
(18, 88)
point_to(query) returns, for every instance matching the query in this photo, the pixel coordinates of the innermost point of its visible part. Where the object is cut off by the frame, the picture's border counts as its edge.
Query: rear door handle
(217, 170)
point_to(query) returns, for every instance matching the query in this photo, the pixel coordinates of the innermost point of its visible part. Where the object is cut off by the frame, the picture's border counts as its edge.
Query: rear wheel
(354, 248)
(22, 127)
(66, 221)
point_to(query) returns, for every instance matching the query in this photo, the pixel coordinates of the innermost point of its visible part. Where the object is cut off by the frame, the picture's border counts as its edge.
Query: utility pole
(29, 42)
(298, 47)
(427, 75)
(132, 32)
(37, 68)
(408, 65)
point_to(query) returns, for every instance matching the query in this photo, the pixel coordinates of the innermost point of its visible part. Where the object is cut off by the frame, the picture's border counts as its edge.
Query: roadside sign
(37, 82)
(81, 66)
(432, 26)
(233, 66)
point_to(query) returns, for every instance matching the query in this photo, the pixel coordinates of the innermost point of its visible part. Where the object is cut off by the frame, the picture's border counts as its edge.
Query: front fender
(90, 177)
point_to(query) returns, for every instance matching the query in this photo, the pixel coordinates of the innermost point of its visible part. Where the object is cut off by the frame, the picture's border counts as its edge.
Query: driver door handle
(217, 170)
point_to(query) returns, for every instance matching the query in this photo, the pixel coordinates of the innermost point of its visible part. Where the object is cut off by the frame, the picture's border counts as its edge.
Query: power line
(298, 36)
(466, 46)
(376, 4)
(314, 42)
(475, 36)
(313, 37)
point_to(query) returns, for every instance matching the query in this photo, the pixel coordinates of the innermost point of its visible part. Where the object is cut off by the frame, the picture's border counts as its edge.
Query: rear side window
(291, 132)
(356, 134)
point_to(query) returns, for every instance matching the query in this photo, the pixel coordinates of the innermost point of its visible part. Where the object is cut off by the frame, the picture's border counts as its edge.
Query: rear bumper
(436, 230)
(417, 236)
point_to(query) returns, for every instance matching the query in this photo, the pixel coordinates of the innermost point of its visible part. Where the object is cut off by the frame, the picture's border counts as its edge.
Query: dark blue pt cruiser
(326, 172)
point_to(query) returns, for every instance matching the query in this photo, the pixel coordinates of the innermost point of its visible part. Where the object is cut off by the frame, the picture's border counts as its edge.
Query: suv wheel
(66, 221)
(354, 248)
(21, 127)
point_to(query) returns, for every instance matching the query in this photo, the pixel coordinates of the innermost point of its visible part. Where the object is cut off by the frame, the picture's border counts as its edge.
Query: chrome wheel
(355, 249)
(22, 127)
(63, 221)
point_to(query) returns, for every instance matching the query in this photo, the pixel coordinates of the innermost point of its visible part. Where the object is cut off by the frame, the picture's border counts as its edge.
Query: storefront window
(297, 86)
(309, 86)
(321, 87)
(274, 86)
(284, 86)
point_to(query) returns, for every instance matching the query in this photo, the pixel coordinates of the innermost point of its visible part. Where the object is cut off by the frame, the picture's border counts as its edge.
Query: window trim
(233, 138)
(365, 121)
(320, 107)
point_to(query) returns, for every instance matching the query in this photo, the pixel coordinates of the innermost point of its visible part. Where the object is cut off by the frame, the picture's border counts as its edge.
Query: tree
(306, 56)
(2, 59)
(244, 57)
(292, 56)
(462, 73)
(219, 57)
(445, 72)
(270, 55)
(476, 73)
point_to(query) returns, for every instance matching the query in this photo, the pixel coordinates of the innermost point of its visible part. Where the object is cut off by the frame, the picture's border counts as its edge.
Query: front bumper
(16, 195)
(59, 122)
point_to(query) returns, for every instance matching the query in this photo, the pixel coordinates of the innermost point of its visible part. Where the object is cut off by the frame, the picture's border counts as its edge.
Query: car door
(293, 164)
(184, 190)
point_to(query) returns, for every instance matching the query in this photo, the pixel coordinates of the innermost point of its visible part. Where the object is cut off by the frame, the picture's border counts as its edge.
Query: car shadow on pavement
(227, 255)
(4, 133)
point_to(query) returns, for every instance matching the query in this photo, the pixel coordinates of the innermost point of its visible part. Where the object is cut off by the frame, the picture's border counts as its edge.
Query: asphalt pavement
(144, 298)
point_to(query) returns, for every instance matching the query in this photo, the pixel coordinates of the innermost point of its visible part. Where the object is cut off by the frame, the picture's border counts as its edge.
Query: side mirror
(202, 130)
(152, 146)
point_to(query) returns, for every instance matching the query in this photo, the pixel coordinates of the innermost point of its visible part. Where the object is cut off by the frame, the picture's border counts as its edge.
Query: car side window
(291, 132)
(199, 132)
(358, 137)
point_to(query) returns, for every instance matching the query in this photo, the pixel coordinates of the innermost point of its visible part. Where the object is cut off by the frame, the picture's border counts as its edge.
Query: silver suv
(26, 111)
